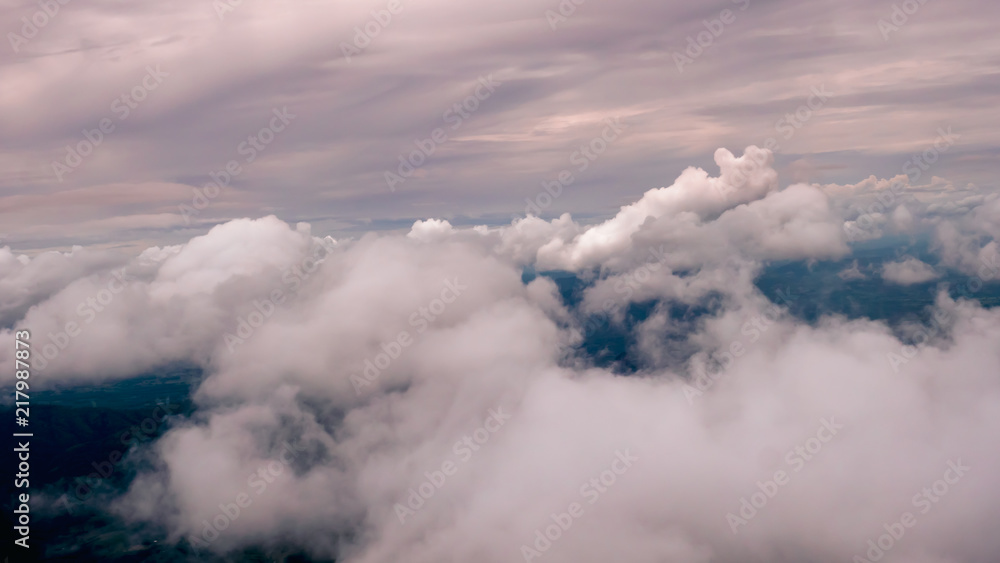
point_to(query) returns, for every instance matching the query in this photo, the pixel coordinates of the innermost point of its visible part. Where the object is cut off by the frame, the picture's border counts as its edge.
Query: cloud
(342, 375)
(852, 273)
(26, 281)
(909, 272)
(557, 87)
(705, 219)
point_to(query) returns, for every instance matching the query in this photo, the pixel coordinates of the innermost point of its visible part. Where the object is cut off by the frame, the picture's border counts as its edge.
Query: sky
(335, 230)
(215, 72)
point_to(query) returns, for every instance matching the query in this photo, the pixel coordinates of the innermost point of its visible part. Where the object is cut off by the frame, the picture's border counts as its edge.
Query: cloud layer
(410, 397)
(172, 94)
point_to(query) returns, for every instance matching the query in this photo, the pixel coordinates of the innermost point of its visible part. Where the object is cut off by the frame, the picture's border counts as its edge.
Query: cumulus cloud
(852, 273)
(703, 219)
(26, 281)
(908, 272)
(694, 197)
(410, 397)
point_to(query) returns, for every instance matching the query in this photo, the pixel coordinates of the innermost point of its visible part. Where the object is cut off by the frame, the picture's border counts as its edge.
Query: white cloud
(909, 272)
(440, 327)
(852, 273)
